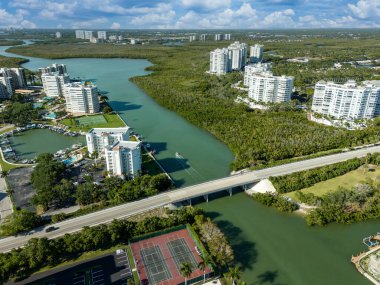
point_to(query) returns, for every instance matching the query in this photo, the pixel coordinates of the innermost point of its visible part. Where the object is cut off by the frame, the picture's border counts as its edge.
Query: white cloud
(243, 17)
(93, 23)
(159, 8)
(16, 20)
(54, 9)
(154, 20)
(365, 9)
(279, 19)
(30, 4)
(115, 26)
(208, 4)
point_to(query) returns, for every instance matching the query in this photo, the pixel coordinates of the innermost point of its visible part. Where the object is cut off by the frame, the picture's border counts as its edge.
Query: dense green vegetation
(179, 83)
(307, 178)
(276, 201)
(19, 114)
(38, 253)
(45, 178)
(11, 61)
(4, 42)
(346, 205)
(20, 221)
(54, 189)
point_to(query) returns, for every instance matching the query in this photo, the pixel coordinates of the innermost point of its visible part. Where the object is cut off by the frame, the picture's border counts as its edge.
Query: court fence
(158, 233)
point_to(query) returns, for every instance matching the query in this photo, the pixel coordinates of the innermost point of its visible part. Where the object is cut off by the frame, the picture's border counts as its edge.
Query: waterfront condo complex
(53, 83)
(123, 159)
(81, 98)
(256, 53)
(253, 69)
(347, 101)
(268, 88)
(228, 59)
(99, 138)
(10, 80)
(59, 68)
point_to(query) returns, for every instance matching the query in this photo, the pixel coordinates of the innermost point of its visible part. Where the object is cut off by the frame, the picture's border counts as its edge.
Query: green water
(205, 158)
(276, 248)
(30, 143)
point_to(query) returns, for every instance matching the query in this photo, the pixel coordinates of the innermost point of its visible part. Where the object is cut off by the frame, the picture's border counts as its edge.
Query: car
(50, 229)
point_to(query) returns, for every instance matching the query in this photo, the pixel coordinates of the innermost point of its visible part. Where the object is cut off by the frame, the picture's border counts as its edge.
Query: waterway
(271, 247)
(204, 157)
(28, 144)
(276, 248)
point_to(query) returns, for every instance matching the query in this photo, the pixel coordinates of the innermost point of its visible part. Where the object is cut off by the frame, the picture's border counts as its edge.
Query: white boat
(178, 155)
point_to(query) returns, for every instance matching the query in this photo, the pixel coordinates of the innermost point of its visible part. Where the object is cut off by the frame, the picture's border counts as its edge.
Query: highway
(177, 195)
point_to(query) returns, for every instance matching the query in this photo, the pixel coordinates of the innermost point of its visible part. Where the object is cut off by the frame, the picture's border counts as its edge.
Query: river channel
(271, 247)
(204, 157)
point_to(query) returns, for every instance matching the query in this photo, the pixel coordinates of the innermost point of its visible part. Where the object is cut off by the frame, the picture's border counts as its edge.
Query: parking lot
(19, 182)
(108, 269)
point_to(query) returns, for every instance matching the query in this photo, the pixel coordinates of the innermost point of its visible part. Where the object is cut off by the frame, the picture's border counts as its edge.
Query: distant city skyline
(189, 14)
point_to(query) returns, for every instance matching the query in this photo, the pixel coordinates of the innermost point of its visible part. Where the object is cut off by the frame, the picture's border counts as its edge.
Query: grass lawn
(6, 166)
(347, 180)
(133, 266)
(100, 121)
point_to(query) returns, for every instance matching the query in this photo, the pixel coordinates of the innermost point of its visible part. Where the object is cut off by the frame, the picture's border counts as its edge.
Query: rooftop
(126, 144)
(101, 131)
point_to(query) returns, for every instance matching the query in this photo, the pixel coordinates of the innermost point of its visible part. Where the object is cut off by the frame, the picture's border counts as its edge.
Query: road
(181, 194)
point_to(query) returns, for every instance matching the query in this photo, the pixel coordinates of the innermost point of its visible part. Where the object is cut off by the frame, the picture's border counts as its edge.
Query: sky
(189, 14)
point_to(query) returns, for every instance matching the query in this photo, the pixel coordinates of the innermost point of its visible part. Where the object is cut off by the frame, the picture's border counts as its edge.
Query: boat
(178, 155)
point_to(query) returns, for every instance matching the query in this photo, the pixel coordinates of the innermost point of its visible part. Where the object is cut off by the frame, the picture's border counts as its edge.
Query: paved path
(6, 207)
(181, 194)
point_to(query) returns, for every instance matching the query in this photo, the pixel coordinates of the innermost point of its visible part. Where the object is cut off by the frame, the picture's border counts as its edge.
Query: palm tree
(234, 273)
(202, 265)
(186, 270)
(4, 173)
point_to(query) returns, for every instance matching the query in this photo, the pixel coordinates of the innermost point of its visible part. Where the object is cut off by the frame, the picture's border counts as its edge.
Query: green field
(85, 123)
(90, 120)
(347, 180)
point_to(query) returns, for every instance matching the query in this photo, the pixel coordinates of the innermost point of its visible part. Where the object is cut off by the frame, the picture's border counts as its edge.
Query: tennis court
(181, 253)
(90, 120)
(158, 259)
(155, 264)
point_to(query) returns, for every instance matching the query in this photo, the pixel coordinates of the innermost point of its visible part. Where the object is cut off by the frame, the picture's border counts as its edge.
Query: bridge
(178, 195)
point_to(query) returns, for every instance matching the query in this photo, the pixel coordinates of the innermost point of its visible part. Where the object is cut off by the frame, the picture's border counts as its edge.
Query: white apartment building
(192, 38)
(100, 138)
(267, 88)
(112, 38)
(53, 83)
(88, 35)
(17, 75)
(124, 159)
(60, 68)
(79, 34)
(252, 69)
(256, 53)
(58, 35)
(102, 35)
(220, 61)
(347, 101)
(238, 55)
(218, 37)
(6, 87)
(81, 98)
(227, 37)
(202, 37)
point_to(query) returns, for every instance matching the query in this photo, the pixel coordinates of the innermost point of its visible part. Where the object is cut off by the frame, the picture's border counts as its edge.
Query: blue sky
(189, 14)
